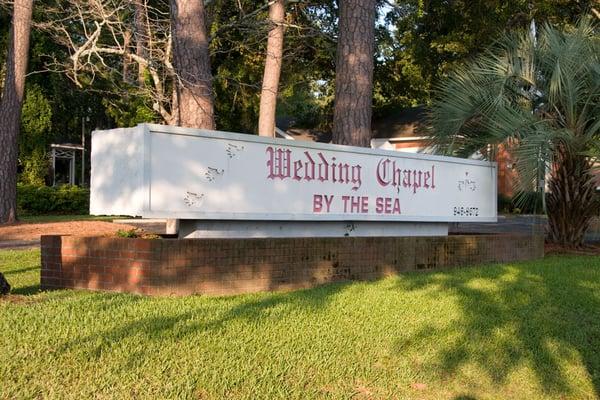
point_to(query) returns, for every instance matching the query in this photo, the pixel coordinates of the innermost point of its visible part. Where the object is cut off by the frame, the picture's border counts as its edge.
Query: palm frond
(539, 94)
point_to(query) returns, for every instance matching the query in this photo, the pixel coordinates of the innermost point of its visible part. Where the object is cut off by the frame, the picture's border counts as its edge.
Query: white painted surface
(382, 144)
(168, 172)
(117, 169)
(262, 229)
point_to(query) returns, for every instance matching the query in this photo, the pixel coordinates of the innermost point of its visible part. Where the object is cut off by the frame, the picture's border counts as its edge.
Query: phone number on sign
(466, 211)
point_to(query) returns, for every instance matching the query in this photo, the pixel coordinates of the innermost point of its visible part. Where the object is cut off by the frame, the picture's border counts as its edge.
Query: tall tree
(354, 73)
(543, 94)
(10, 107)
(192, 65)
(432, 37)
(141, 35)
(270, 86)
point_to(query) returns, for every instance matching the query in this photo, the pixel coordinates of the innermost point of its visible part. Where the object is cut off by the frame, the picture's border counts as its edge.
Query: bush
(35, 168)
(129, 233)
(38, 200)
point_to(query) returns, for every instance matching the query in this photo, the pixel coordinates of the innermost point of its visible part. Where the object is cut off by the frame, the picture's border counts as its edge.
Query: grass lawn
(523, 331)
(39, 219)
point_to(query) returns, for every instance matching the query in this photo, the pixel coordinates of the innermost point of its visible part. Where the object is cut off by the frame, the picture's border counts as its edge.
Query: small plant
(136, 233)
(128, 233)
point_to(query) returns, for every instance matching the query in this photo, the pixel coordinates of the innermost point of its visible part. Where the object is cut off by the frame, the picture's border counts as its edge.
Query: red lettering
(356, 204)
(322, 200)
(356, 173)
(364, 205)
(379, 205)
(297, 168)
(317, 203)
(387, 205)
(382, 168)
(345, 200)
(388, 174)
(396, 209)
(278, 163)
(282, 165)
(323, 168)
(309, 167)
(328, 201)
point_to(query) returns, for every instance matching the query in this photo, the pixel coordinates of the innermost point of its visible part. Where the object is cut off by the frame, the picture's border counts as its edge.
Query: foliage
(431, 38)
(298, 102)
(36, 124)
(525, 203)
(36, 115)
(542, 94)
(35, 168)
(39, 200)
(129, 110)
(238, 48)
(418, 43)
(128, 233)
(525, 330)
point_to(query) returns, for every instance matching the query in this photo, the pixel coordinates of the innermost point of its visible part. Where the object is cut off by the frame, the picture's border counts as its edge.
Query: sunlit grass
(526, 330)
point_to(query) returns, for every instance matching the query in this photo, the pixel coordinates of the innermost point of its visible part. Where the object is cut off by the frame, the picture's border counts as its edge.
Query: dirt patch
(18, 299)
(21, 232)
(586, 250)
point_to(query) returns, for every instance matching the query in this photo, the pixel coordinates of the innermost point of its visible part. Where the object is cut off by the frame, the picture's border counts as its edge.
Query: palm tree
(541, 96)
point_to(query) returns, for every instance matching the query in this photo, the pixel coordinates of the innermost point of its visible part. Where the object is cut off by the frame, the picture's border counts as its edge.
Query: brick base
(231, 266)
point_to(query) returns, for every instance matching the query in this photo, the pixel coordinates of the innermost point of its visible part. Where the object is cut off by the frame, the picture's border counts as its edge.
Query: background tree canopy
(417, 43)
(540, 95)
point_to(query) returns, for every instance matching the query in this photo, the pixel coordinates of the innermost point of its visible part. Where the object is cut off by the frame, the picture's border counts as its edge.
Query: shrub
(130, 233)
(37, 200)
(35, 168)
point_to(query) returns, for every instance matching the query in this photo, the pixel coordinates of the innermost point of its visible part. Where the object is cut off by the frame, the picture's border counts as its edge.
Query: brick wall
(230, 266)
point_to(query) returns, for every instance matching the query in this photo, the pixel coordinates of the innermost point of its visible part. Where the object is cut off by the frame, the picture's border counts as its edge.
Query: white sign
(170, 172)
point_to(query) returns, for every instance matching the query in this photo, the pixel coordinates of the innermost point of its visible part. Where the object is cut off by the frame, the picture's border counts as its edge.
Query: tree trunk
(354, 73)
(268, 95)
(10, 107)
(192, 65)
(126, 61)
(571, 201)
(141, 36)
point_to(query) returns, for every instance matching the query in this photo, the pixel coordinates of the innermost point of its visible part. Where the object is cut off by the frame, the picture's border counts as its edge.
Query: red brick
(229, 266)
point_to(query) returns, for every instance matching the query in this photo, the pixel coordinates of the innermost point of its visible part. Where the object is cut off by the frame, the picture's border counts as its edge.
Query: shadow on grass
(252, 309)
(548, 309)
(535, 314)
(19, 271)
(26, 290)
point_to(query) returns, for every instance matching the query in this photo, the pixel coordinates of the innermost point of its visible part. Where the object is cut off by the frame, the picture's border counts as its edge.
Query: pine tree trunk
(268, 95)
(126, 60)
(354, 73)
(10, 107)
(571, 201)
(141, 36)
(192, 65)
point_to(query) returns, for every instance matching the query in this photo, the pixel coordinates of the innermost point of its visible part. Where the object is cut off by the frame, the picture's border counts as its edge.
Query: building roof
(407, 122)
(309, 135)
(398, 123)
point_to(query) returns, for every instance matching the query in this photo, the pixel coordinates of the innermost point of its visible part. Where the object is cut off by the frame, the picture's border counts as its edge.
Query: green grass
(37, 219)
(523, 331)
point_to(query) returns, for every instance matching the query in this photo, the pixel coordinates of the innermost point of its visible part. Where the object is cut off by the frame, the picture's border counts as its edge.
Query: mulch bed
(22, 235)
(586, 250)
